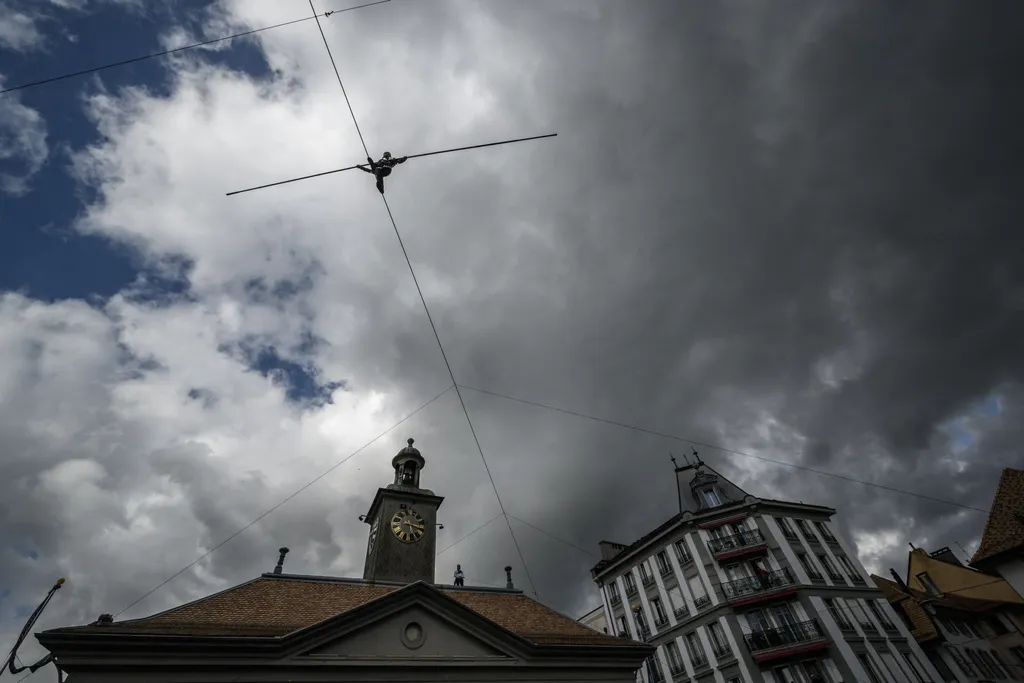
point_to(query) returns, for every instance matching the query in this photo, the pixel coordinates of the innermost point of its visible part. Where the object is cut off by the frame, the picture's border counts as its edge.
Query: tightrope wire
(164, 53)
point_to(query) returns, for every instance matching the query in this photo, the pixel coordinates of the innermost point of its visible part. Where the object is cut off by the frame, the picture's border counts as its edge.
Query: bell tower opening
(408, 464)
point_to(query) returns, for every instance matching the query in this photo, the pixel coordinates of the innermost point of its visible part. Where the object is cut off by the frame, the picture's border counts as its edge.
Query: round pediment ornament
(413, 635)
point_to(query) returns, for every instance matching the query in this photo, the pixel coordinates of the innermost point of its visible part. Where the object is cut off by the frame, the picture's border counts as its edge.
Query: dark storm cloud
(738, 194)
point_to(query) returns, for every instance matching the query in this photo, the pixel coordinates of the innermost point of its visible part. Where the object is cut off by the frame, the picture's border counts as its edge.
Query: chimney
(508, 578)
(946, 555)
(105, 620)
(280, 561)
(899, 580)
(610, 550)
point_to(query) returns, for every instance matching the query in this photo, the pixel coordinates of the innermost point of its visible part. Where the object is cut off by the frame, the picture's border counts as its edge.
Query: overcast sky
(789, 228)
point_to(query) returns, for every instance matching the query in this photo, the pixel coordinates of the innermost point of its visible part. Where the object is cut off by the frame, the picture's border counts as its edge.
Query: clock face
(373, 536)
(408, 526)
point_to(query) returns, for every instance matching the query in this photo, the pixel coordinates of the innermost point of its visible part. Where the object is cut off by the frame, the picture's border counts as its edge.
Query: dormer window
(709, 497)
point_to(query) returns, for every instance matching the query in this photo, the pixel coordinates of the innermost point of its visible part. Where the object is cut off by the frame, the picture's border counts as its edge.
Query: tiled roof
(1003, 530)
(272, 607)
(924, 628)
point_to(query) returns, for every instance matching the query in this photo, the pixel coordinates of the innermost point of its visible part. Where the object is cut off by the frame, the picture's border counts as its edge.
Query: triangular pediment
(417, 631)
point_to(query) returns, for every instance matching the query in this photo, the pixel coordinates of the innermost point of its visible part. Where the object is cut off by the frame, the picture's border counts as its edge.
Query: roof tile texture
(276, 607)
(1003, 530)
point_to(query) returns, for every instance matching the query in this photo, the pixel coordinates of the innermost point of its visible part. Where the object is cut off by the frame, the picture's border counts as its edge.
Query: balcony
(701, 602)
(648, 580)
(681, 612)
(757, 588)
(858, 579)
(677, 670)
(616, 600)
(699, 660)
(784, 641)
(666, 570)
(737, 544)
(815, 576)
(631, 589)
(660, 622)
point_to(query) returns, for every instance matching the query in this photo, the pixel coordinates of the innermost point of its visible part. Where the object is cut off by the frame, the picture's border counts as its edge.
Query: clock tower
(403, 525)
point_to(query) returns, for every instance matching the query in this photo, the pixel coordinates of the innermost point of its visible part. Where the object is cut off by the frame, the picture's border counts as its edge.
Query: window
(641, 620)
(675, 660)
(645, 574)
(949, 625)
(623, 626)
(972, 628)
(848, 567)
(664, 566)
(823, 530)
(695, 649)
(813, 672)
(997, 626)
(787, 530)
(718, 640)
(801, 524)
(882, 617)
(991, 663)
(630, 582)
(869, 667)
(940, 665)
(962, 663)
(783, 674)
(808, 566)
(1002, 664)
(697, 590)
(912, 663)
(613, 593)
(659, 611)
(978, 661)
(710, 498)
(928, 584)
(682, 552)
(654, 669)
(837, 614)
(830, 568)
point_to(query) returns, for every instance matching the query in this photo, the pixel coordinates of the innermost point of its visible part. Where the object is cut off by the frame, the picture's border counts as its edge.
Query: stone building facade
(739, 588)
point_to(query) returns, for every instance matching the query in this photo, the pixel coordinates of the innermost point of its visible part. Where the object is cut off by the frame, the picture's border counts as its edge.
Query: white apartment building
(738, 588)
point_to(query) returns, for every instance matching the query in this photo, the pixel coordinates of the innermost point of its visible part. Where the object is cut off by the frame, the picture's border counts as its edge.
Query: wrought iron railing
(648, 580)
(698, 660)
(683, 556)
(631, 589)
(791, 634)
(616, 599)
(660, 621)
(736, 541)
(665, 570)
(721, 652)
(815, 575)
(702, 601)
(757, 584)
(681, 612)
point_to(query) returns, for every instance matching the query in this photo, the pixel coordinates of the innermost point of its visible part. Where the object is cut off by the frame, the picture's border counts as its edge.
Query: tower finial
(673, 459)
(409, 441)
